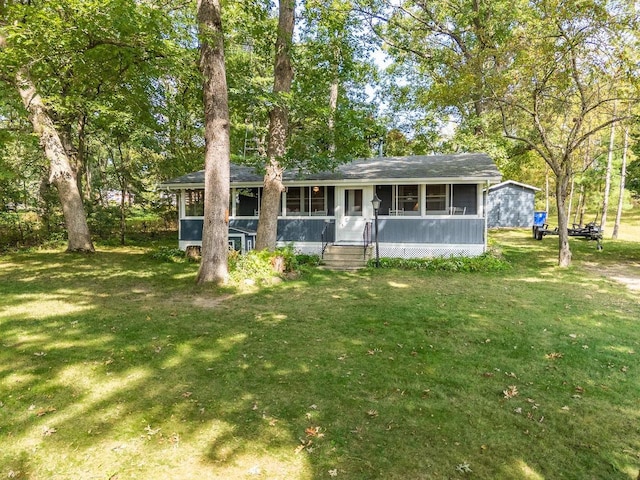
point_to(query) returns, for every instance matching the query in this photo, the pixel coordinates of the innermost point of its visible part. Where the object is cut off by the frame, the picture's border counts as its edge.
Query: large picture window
(194, 203)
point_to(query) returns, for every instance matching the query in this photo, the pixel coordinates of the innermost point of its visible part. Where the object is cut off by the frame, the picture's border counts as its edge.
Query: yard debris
(333, 472)
(48, 431)
(151, 431)
(463, 468)
(44, 411)
(372, 413)
(40, 354)
(510, 392)
(303, 445)
(553, 356)
(313, 432)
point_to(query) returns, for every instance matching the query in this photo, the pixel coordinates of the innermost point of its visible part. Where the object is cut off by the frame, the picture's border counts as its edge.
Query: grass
(115, 366)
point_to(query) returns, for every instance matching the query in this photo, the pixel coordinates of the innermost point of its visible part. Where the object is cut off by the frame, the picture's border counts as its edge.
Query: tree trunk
(623, 178)
(607, 181)
(60, 173)
(278, 130)
(562, 185)
(215, 233)
(333, 109)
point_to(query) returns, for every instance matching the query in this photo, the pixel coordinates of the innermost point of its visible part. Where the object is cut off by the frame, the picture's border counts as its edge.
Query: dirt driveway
(627, 274)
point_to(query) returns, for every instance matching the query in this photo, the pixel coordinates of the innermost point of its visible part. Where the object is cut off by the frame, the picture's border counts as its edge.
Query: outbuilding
(511, 204)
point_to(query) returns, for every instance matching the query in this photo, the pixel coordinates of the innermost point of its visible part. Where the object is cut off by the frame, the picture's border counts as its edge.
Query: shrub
(486, 262)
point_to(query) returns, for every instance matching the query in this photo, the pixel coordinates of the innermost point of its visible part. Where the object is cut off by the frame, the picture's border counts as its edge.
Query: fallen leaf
(553, 356)
(372, 413)
(333, 473)
(44, 411)
(463, 468)
(313, 432)
(510, 392)
(47, 431)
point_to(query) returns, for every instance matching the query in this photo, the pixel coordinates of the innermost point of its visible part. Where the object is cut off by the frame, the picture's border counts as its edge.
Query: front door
(351, 210)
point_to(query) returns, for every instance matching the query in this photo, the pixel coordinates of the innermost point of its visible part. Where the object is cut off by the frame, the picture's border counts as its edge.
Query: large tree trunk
(60, 174)
(278, 131)
(215, 245)
(562, 185)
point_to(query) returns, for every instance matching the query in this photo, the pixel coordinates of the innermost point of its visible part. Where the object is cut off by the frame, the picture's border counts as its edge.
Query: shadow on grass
(110, 369)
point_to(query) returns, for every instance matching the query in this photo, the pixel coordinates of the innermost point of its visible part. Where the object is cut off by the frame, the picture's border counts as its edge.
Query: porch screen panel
(409, 199)
(385, 194)
(194, 203)
(247, 202)
(331, 200)
(436, 199)
(317, 198)
(465, 196)
(296, 204)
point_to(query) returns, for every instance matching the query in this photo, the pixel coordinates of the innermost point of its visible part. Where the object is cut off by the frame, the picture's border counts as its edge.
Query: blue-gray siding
(391, 230)
(307, 230)
(511, 206)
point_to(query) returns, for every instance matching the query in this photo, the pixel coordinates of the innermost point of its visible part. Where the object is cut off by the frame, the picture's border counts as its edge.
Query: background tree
(565, 79)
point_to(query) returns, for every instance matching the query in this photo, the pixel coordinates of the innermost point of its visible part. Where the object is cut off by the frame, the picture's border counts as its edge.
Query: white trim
(345, 182)
(513, 182)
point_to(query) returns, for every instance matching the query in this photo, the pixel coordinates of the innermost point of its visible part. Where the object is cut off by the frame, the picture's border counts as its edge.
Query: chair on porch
(458, 210)
(397, 213)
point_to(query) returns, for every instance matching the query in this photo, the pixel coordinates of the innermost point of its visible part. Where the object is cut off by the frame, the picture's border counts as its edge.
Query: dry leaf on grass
(510, 392)
(44, 411)
(553, 356)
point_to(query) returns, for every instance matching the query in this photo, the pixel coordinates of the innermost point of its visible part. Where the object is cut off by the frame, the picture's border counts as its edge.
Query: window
(296, 201)
(194, 203)
(464, 198)
(408, 199)
(399, 199)
(307, 201)
(247, 201)
(456, 199)
(436, 199)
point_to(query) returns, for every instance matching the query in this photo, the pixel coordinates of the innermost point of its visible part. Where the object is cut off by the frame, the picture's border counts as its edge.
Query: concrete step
(345, 257)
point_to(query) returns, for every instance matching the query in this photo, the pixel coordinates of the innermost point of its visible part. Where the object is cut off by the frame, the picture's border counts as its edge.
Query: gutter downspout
(485, 202)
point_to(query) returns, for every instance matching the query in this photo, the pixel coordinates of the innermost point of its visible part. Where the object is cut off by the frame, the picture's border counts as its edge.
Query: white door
(352, 213)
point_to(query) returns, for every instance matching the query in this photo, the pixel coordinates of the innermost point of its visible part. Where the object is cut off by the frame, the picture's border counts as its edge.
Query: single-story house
(431, 205)
(511, 204)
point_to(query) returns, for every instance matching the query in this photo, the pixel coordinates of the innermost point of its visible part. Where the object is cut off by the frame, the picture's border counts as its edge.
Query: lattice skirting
(397, 250)
(426, 251)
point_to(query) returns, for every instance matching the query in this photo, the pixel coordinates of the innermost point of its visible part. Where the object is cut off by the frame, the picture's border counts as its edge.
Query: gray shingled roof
(470, 166)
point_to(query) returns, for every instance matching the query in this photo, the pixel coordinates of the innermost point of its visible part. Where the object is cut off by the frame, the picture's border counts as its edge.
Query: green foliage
(168, 254)
(633, 178)
(486, 262)
(261, 266)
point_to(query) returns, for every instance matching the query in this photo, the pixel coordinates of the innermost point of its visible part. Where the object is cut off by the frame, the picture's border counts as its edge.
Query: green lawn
(115, 366)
